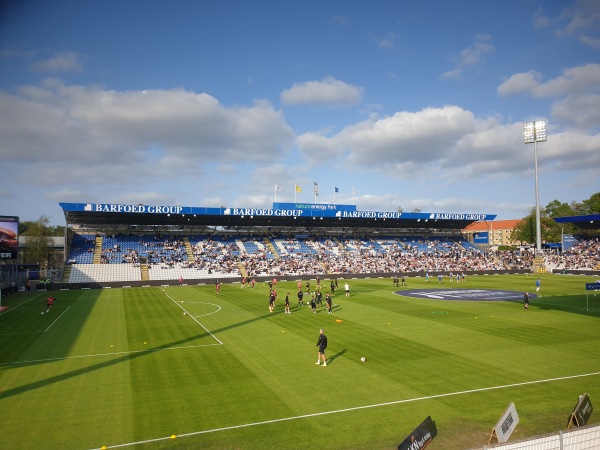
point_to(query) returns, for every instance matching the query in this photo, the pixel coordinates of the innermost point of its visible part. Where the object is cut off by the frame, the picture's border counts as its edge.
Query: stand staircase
(242, 269)
(144, 272)
(188, 249)
(98, 251)
(539, 266)
(66, 273)
(271, 248)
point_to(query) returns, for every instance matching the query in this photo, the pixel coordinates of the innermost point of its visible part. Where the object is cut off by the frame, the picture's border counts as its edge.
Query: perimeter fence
(580, 438)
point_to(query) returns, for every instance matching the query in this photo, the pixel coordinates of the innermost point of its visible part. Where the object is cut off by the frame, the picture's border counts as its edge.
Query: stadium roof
(588, 222)
(308, 216)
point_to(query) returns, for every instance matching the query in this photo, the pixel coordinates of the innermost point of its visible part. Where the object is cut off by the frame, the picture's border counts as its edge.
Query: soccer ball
(526, 306)
(42, 312)
(185, 314)
(363, 359)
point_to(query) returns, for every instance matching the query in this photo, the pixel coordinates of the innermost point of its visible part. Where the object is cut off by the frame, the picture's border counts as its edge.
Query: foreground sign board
(421, 436)
(506, 424)
(592, 286)
(582, 411)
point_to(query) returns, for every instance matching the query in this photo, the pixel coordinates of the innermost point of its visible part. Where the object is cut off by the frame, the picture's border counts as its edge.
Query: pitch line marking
(22, 332)
(33, 332)
(535, 302)
(194, 319)
(356, 408)
(105, 354)
(18, 306)
(205, 303)
(55, 320)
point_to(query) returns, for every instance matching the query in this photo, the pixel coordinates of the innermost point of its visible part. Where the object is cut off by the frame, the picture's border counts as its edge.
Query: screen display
(9, 237)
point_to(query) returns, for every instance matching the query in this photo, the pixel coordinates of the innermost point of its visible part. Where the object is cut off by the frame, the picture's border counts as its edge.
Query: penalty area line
(357, 408)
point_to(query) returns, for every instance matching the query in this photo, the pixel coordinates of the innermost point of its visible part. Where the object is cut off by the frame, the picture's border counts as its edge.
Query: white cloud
(474, 53)
(454, 74)
(582, 15)
(577, 93)
(447, 143)
(388, 41)
(540, 19)
(342, 20)
(83, 139)
(146, 198)
(102, 125)
(590, 41)
(581, 20)
(520, 83)
(398, 140)
(317, 147)
(421, 136)
(61, 62)
(326, 92)
(470, 56)
(573, 80)
(579, 111)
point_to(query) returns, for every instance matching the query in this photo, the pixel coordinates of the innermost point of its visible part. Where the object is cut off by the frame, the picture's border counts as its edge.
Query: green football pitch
(180, 367)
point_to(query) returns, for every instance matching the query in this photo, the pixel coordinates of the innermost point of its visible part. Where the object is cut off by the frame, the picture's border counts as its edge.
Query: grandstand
(115, 245)
(148, 245)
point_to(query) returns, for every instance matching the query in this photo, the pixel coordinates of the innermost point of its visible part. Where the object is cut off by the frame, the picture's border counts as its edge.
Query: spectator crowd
(231, 256)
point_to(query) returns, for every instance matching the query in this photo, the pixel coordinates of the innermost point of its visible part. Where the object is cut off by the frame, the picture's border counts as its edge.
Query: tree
(524, 231)
(24, 225)
(592, 204)
(553, 230)
(39, 240)
(558, 209)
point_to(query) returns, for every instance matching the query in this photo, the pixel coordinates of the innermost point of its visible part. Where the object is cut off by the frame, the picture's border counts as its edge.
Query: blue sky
(414, 104)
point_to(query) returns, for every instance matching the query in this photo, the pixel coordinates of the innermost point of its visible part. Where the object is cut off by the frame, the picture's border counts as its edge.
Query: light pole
(535, 132)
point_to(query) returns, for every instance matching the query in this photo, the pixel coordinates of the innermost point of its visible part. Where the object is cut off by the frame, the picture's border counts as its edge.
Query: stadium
(159, 335)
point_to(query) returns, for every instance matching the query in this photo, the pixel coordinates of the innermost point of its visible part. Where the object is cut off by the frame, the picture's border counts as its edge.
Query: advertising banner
(569, 241)
(506, 425)
(481, 238)
(582, 411)
(9, 237)
(314, 206)
(421, 437)
(278, 210)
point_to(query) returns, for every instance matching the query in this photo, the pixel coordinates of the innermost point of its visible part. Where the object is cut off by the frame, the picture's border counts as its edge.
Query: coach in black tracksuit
(322, 344)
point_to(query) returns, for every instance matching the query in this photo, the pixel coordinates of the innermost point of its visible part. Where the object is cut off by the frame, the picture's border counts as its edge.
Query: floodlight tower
(535, 132)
